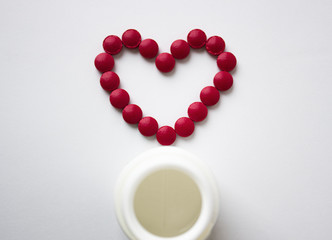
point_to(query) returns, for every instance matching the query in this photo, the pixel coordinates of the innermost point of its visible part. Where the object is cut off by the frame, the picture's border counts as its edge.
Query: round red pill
(104, 62)
(184, 127)
(112, 44)
(223, 81)
(165, 62)
(166, 135)
(109, 81)
(196, 38)
(226, 61)
(148, 126)
(215, 45)
(180, 49)
(197, 111)
(132, 113)
(209, 96)
(119, 98)
(131, 38)
(148, 48)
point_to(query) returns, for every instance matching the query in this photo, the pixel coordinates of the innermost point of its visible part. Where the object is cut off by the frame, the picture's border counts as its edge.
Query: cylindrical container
(166, 194)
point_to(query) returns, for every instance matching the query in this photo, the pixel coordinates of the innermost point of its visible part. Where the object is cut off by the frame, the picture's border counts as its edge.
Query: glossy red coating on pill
(165, 62)
(112, 44)
(226, 61)
(184, 127)
(180, 49)
(166, 135)
(148, 126)
(196, 38)
(109, 81)
(132, 114)
(148, 48)
(104, 62)
(197, 111)
(131, 38)
(215, 45)
(209, 96)
(223, 81)
(119, 98)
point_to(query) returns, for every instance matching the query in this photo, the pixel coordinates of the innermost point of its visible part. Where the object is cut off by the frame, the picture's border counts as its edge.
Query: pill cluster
(165, 62)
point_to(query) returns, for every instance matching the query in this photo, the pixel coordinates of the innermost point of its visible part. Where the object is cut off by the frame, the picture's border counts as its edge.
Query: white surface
(268, 142)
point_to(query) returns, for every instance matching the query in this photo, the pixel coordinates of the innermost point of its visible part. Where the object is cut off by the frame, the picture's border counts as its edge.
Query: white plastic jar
(151, 163)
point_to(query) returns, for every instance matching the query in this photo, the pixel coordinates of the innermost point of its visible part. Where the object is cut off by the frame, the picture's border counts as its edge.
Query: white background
(268, 141)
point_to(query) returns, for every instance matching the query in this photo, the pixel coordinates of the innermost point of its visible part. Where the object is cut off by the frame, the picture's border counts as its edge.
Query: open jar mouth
(167, 203)
(150, 169)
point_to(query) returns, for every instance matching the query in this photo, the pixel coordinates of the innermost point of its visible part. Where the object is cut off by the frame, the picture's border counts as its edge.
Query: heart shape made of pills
(165, 62)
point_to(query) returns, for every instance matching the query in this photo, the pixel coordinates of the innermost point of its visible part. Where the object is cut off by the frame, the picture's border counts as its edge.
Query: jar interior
(167, 203)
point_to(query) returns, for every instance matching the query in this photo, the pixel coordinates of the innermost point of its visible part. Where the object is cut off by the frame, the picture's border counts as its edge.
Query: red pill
(184, 127)
(209, 96)
(119, 98)
(132, 113)
(215, 45)
(196, 38)
(104, 62)
(148, 48)
(131, 38)
(226, 61)
(180, 49)
(148, 126)
(165, 62)
(223, 81)
(109, 81)
(112, 44)
(166, 135)
(197, 111)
